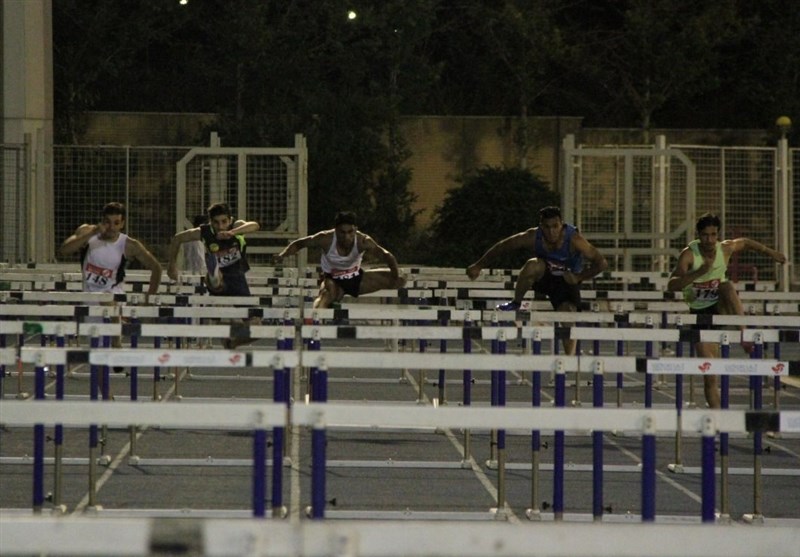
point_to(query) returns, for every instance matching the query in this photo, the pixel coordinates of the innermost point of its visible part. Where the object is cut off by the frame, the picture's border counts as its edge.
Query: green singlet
(704, 291)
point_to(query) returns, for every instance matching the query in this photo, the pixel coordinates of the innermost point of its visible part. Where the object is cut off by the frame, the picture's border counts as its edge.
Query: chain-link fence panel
(143, 178)
(738, 184)
(13, 203)
(639, 202)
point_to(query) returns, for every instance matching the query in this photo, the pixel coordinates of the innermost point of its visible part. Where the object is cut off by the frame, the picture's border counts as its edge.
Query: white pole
(783, 222)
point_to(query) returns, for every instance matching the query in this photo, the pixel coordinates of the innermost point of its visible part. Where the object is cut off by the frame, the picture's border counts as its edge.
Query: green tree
(502, 58)
(767, 67)
(649, 54)
(98, 45)
(491, 203)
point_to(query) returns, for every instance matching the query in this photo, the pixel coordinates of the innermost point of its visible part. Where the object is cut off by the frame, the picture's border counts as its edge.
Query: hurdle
(596, 365)
(248, 416)
(278, 360)
(321, 417)
(163, 308)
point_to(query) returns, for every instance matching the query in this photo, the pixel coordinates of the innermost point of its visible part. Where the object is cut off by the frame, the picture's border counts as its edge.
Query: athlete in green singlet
(701, 274)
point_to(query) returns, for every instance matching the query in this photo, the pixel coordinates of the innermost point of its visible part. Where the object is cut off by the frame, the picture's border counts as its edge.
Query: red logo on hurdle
(163, 358)
(235, 358)
(777, 369)
(705, 367)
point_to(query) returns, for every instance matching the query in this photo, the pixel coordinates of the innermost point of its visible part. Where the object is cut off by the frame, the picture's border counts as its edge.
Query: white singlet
(103, 265)
(341, 266)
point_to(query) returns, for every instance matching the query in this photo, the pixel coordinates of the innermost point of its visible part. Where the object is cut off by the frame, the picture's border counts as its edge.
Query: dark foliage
(491, 204)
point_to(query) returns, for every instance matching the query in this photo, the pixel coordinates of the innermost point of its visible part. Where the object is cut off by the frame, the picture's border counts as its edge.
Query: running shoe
(508, 306)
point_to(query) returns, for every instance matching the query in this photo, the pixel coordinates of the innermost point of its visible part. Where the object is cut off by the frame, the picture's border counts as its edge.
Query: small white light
(351, 14)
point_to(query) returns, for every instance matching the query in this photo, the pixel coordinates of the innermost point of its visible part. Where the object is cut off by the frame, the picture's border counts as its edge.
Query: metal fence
(14, 209)
(143, 178)
(164, 187)
(640, 203)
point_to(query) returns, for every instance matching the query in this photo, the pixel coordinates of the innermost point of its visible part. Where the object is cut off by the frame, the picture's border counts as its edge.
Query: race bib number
(228, 257)
(706, 291)
(98, 275)
(345, 274)
(557, 269)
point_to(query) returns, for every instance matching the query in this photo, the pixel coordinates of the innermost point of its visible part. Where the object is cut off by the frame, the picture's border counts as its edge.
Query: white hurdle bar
(362, 538)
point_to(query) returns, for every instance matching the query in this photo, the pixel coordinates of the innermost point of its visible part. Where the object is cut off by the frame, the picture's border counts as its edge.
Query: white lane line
(476, 469)
(635, 458)
(118, 459)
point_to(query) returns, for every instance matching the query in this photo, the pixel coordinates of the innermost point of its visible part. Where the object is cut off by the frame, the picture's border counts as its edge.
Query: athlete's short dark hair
(550, 212)
(218, 209)
(345, 217)
(114, 208)
(708, 219)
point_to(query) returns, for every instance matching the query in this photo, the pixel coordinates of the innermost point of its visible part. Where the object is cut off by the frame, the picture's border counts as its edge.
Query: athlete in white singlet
(343, 248)
(105, 251)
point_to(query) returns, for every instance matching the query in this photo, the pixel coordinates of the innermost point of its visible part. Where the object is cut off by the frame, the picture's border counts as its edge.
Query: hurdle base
(753, 518)
(181, 513)
(23, 396)
(499, 514)
(675, 468)
(723, 518)
(391, 463)
(58, 510)
(534, 515)
(407, 514)
(208, 461)
(491, 464)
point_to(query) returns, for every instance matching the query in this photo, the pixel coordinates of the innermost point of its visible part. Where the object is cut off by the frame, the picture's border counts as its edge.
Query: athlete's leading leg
(531, 272)
(710, 389)
(569, 344)
(380, 279)
(329, 292)
(731, 304)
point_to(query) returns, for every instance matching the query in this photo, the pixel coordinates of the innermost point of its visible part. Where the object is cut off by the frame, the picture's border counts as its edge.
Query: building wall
(146, 129)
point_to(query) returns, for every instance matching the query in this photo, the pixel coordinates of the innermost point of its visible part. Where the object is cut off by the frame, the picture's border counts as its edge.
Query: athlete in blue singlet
(557, 268)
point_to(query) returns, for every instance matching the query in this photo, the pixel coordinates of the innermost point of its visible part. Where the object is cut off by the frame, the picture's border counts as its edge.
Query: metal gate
(636, 204)
(267, 185)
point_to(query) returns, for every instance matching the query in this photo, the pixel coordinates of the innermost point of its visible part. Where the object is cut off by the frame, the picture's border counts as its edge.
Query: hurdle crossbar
(187, 415)
(161, 357)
